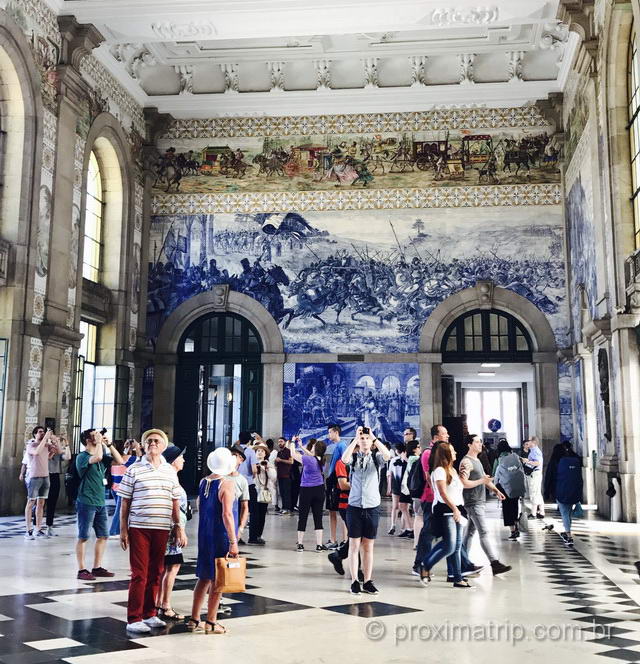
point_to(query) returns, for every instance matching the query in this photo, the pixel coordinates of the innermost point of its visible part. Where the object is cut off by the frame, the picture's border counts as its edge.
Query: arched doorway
(218, 387)
(487, 369)
(491, 325)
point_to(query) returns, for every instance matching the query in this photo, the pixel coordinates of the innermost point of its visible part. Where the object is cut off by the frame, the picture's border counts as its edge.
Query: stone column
(628, 391)
(590, 442)
(164, 392)
(430, 365)
(77, 42)
(56, 331)
(272, 394)
(547, 399)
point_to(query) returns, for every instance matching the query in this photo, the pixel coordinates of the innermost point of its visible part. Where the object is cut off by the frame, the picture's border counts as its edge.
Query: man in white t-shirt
(242, 491)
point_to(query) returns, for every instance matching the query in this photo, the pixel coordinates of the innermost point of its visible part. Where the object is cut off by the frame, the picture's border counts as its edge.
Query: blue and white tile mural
(565, 392)
(382, 396)
(582, 253)
(579, 410)
(356, 281)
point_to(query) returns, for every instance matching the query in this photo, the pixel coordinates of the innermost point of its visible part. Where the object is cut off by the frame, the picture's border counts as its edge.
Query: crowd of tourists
(437, 501)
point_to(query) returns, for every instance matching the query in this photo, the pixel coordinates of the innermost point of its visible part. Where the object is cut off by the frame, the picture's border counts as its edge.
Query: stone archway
(219, 300)
(486, 295)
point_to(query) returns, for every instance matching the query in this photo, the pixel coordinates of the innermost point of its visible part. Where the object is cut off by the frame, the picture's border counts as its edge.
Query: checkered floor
(296, 609)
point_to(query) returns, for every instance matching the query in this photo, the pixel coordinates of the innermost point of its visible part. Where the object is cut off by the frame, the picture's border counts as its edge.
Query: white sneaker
(139, 627)
(154, 621)
(29, 536)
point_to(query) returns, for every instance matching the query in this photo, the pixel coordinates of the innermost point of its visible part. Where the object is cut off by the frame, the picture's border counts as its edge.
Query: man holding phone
(90, 504)
(39, 449)
(364, 455)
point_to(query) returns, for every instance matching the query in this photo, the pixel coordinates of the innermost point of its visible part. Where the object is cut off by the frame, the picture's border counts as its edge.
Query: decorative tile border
(439, 197)
(109, 87)
(437, 120)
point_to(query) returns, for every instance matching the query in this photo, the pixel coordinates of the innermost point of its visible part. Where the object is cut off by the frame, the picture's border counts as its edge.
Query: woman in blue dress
(216, 536)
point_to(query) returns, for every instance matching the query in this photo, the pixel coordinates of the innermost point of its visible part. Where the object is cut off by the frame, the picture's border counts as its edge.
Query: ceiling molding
(365, 100)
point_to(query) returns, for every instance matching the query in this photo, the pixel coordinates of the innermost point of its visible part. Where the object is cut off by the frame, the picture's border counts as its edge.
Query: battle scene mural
(357, 281)
(384, 397)
(446, 157)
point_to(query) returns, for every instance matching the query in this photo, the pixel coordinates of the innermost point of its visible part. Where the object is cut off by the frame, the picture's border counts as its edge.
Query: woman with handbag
(173, 558)
(265, 474)
(216, 537)
(447, 515)
(311, 489)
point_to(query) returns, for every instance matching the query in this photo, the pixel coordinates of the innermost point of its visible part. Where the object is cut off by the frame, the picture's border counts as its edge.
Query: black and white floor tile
(295, 608)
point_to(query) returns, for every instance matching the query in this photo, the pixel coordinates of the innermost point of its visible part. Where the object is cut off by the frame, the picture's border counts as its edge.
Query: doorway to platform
(218, 388)
(488, 379)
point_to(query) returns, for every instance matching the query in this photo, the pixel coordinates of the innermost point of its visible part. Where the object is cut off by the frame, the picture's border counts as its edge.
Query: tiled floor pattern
(303, 609)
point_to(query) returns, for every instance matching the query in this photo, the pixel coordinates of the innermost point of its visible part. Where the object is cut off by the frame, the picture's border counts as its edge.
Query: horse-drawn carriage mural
(381, 161)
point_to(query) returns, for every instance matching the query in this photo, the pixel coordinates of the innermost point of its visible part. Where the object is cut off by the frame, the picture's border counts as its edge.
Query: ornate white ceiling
(207, 58)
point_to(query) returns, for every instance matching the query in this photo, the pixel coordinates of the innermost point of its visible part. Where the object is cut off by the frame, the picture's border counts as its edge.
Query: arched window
(94, 211)
(634, 131)
(481, 333)
(218, 388)
(225, 335)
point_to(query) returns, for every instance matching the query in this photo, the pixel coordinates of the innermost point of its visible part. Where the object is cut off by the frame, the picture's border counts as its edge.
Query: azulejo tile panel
(440, 119)
(437, 197)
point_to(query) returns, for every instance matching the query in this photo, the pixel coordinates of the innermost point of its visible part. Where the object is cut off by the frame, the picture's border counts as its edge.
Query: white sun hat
(221, 461)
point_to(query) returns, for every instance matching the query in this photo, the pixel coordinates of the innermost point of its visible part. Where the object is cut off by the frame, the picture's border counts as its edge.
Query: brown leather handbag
(230, 575)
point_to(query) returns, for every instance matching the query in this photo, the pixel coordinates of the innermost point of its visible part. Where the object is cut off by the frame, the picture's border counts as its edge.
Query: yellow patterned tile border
(435, 197)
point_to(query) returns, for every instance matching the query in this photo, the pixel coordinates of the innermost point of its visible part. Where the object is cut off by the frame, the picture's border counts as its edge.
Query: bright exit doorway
(488, 375)
(503, 392)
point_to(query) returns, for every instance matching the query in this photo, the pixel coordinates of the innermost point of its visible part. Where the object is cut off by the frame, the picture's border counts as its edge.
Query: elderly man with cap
(150, 509)
(217, 518)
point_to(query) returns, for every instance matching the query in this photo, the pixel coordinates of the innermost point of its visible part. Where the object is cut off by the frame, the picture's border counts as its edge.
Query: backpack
(352, 465)
(510, 476)
(416, 481)
(72, 479)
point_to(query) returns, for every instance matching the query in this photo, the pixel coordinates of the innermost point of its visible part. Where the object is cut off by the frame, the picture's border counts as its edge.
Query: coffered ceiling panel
(198, 58)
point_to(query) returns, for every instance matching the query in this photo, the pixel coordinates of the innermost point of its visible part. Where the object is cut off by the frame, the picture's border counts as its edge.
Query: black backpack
(72, 479)
(416, 480)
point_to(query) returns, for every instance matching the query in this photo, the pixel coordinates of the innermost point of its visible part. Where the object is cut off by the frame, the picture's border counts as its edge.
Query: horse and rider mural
(331, 288)
(379, 161)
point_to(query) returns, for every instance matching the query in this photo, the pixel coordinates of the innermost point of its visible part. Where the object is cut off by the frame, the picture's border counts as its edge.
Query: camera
(366, 431)
(103, 431)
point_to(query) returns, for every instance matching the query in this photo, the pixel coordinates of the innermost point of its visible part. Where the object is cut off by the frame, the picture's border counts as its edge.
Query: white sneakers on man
(139, 627)
(154, 621)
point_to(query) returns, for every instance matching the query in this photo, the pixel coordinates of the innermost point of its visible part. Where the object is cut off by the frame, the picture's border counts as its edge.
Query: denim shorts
(38, 487)
(362, 522)
(91, 516)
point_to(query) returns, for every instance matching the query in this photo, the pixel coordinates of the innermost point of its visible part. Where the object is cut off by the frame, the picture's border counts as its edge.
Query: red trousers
(146, 557)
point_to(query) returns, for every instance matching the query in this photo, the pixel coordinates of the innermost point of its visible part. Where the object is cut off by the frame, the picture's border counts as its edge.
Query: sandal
(169, 614)
(462, 584)
(194, 625)
(214, 628)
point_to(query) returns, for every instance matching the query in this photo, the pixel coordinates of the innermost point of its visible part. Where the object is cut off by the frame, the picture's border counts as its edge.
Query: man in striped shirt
(150, 509)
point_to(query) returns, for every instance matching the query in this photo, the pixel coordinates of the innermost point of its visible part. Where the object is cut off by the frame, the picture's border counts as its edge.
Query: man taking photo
(92, 465)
